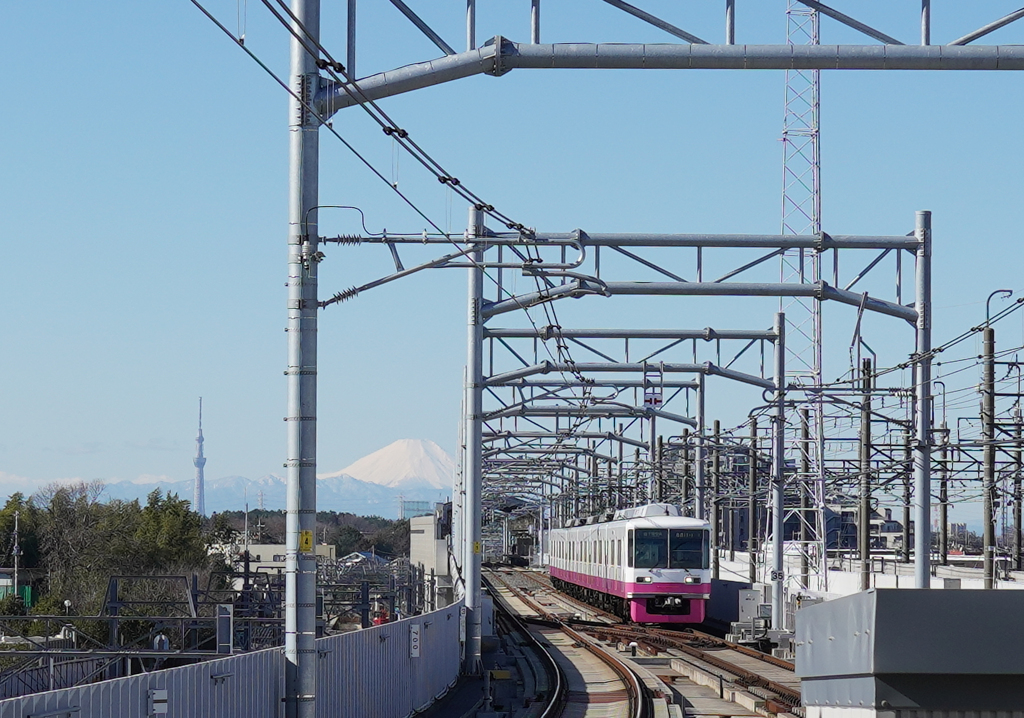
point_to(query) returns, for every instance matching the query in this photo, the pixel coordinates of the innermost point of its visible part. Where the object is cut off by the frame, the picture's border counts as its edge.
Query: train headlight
(691, 579)
(643, 579)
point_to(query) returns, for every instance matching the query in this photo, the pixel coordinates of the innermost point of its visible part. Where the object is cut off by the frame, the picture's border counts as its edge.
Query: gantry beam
(590, 286)
(547, 367)
(500, 56)
(707, 334)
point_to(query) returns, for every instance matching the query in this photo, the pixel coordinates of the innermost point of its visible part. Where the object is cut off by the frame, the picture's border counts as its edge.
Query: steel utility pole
(473, 472)
(752, 504)
(16, 551)
(684, 476)
(908, 467)
(778, 576)
(922, 446)
(988, 421)
(1018, 460)
(864, 512)
(699, 505)
(944, 497)
(716, 500)
(303, 257)
(803, 487)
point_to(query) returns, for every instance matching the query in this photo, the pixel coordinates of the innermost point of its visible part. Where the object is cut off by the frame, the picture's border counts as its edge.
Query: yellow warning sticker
(476, 547)
(305, 541)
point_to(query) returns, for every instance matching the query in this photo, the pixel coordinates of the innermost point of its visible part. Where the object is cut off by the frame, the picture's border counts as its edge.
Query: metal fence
(386, 671)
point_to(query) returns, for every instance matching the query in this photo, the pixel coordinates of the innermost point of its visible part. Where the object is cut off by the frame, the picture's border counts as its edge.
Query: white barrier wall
(380, 672)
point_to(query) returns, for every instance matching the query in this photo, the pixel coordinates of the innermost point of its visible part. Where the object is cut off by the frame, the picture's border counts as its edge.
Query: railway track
(541, 600)
(581, 680)
(761, 683)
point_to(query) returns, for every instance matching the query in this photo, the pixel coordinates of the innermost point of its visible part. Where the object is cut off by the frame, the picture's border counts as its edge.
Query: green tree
(170, 533)
(393, 540)
(220, 531)
(346, 540)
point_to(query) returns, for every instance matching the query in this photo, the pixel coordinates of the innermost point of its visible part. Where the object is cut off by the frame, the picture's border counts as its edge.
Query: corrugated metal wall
(372, 674)
(366, 674)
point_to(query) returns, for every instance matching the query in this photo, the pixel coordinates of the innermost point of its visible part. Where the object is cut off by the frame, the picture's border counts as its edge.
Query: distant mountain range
(413, 469)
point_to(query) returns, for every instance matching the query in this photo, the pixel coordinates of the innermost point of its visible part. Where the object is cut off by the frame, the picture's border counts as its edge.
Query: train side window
(629, 548)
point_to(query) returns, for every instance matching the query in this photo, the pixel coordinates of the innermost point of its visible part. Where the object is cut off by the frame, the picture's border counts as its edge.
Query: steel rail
(630, 679)
(570, 600)
(666, 640)
(557, 699)
(558, 693)
(772, 660)
(635, 691)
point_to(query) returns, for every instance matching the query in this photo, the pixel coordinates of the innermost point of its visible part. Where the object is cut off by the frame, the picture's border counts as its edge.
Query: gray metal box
(749, 599)
(907, 648)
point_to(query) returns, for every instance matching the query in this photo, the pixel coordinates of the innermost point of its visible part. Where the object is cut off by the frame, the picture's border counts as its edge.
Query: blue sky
(143, 211)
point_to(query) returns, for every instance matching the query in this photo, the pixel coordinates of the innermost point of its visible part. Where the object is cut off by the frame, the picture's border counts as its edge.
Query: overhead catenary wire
(313, 112)
(400, 137)
(315, 48)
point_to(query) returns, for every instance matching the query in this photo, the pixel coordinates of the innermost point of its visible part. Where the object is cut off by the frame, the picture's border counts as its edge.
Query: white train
(647, 564)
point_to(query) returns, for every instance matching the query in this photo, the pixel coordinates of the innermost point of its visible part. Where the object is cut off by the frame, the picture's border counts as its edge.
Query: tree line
(72, 541)
(346, 532)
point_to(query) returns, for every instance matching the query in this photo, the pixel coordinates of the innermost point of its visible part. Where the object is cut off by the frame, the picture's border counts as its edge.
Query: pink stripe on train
(638, 606)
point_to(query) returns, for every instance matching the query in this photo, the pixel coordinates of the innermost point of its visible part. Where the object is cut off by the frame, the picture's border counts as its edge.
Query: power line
(401, 136)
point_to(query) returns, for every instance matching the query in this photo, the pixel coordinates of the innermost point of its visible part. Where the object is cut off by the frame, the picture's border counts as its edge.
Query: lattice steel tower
(801, 214)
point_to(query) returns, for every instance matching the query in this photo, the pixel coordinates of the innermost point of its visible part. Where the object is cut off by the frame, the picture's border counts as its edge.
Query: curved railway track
(582, 680)
(756, 678)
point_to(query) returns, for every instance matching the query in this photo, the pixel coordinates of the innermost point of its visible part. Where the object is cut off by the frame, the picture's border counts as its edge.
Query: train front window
(688, 548)
(651, 548)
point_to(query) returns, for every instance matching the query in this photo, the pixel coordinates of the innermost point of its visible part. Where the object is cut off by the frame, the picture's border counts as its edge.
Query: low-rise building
(428, 554)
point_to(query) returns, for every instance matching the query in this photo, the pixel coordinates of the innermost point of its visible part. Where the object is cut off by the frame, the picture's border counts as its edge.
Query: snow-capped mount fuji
(414, 469)
(404, 465)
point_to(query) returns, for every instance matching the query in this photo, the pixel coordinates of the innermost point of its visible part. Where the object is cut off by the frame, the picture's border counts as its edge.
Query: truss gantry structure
(554, 386)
